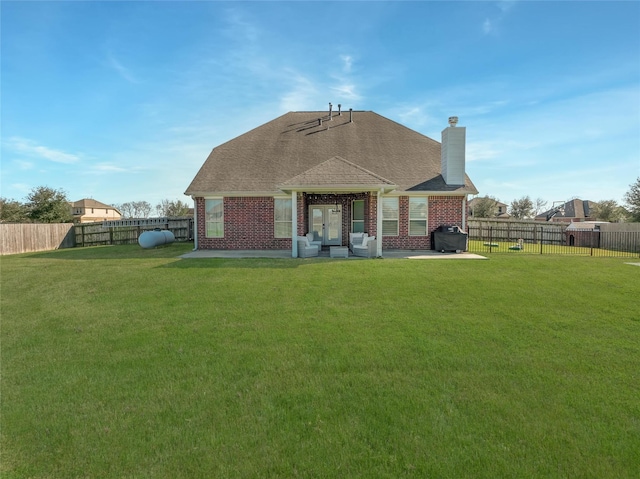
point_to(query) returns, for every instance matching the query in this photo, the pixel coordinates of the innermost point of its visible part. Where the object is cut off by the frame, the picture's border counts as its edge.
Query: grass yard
(129, 363)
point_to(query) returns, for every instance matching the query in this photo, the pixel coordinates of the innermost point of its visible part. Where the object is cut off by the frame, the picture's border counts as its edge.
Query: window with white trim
(214, 218)
(357, 216)
(282, 217)
(417, 216)
(390, 216)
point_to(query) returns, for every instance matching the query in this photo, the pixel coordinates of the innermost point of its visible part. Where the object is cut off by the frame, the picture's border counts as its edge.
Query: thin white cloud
(123, 71)
(108, 168)
(347, 91)
(239, 28)
(31, 148)
(506, 5)
(302, 95)
(413, 115)
(487, 26)
(23, 164)
(491, 24)
(21, 187)
(347, 63)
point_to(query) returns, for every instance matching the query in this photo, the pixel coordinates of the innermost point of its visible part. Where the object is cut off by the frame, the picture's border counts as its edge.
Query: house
(569, 212)
(330, 173)
(501, 208)
(89, 211)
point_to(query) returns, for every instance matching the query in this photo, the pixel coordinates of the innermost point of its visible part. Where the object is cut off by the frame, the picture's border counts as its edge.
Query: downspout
(379, 223)
(195, 224)
(294, 224)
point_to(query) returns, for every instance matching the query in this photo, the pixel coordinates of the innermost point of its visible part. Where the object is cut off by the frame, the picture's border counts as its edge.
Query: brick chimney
(453, 152)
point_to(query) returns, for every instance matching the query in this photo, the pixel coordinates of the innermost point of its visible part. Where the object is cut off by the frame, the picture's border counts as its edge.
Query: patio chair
(306, 249)
(355, 239)
(367, 249)
(314, 241)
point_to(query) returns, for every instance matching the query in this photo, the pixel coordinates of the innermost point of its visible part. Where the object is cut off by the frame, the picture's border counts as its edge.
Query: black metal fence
(552, 240)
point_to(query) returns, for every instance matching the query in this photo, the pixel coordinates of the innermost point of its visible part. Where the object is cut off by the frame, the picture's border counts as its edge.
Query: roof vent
(350, 115)
(339, 109)
(330, 115)
(453, 121)
(319, 121)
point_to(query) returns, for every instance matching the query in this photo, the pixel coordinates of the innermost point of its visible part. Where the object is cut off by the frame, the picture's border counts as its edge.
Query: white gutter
(294, 224)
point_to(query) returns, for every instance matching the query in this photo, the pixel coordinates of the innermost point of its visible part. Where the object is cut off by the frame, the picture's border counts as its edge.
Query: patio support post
(195, 223)
(294, 224)
(464, 213)
(379, 223)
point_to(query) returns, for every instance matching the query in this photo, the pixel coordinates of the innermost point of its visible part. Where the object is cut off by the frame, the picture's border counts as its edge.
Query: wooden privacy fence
(512, 231)
(26, 238)
(128, 231)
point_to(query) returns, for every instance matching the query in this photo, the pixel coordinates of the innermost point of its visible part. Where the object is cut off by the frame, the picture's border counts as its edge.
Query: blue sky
(123, 101)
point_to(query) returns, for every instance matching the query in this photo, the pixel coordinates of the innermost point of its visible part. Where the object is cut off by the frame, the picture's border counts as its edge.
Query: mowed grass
(122, 362)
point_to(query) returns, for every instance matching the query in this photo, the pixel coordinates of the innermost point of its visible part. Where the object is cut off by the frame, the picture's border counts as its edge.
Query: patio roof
(337, 174)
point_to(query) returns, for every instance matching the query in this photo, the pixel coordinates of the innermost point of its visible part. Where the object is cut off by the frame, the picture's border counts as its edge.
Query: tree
(540, 206)
(485, 207)
(135, 209)
(632, 199)
(172, 208)
(12, 211)
(522, 208)
(47, 205)
(607, 210)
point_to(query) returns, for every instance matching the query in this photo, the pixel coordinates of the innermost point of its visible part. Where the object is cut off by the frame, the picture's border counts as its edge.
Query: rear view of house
(330, 173)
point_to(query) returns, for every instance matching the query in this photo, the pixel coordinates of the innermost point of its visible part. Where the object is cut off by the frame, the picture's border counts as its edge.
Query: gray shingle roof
(291, 150)
(336, 173)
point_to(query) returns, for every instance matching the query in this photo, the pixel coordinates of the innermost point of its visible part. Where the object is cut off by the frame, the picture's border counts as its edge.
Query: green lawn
(129, 363)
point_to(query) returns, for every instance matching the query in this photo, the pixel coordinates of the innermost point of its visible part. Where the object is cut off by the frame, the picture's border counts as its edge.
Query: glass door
(325, 222)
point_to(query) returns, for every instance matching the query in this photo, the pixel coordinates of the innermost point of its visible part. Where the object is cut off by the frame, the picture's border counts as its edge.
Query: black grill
(449, 238)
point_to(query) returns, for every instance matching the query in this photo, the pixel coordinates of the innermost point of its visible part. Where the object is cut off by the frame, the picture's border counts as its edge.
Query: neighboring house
(569, 212)
(330, 173)
(89, 211)
(501, 211)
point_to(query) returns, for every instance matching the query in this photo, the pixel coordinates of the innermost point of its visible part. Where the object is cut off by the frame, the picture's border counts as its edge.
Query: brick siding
(248, 221)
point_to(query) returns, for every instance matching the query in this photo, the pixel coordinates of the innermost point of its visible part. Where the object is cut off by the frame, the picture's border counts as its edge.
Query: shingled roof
(296, 149)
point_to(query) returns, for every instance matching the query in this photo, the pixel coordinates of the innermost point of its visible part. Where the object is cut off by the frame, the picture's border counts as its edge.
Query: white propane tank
(157, 237)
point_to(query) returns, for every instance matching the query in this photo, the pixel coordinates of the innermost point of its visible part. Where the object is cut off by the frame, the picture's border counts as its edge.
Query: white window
(417, 216)
(390, 216)
(282, 218)
(214, 218)
(357, 216)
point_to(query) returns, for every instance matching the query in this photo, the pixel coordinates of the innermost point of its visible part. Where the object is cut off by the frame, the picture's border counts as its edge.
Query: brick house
(330, 173)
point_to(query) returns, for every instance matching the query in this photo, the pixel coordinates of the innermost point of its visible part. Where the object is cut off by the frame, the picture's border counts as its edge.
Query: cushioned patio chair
(355, 239)
(306, 249)
(313, 241)
(367, 249)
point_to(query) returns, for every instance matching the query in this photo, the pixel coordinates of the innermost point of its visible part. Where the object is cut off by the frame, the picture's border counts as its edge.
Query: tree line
(526, 208)
(49, 205)
(142, 209)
